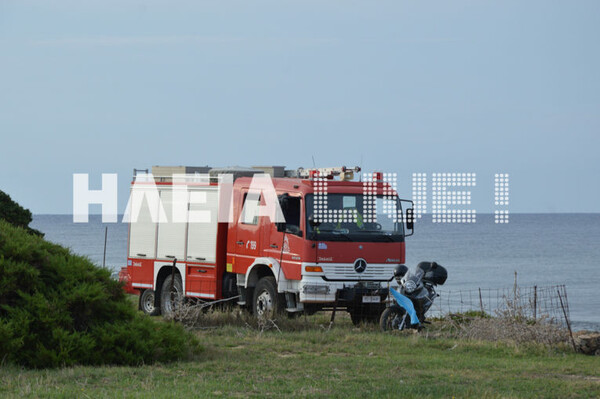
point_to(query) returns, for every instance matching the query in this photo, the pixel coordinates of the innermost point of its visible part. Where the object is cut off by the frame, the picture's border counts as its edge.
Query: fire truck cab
(336, 242)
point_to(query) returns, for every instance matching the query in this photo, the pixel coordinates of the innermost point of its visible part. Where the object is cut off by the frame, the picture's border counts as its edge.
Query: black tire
(393, 318)
(266, 303)
(147, 303)
(364, 315)
(169, 301)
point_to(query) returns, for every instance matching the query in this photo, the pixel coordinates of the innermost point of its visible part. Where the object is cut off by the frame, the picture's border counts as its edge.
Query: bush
(59, 309)
(15, 214)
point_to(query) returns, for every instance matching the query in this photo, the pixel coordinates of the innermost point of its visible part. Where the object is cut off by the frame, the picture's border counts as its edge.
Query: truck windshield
(351, 218)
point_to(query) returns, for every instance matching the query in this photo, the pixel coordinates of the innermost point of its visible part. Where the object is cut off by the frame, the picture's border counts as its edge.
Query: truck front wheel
(266, 303)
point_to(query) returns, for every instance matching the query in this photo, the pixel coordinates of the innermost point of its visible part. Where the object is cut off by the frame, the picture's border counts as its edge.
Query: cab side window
(290, 206)
(250, 206)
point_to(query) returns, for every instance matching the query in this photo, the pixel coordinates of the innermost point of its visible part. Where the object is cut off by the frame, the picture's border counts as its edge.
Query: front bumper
(317, 290)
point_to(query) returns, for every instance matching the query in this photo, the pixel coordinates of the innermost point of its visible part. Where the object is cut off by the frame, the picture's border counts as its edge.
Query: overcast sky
(418, 86)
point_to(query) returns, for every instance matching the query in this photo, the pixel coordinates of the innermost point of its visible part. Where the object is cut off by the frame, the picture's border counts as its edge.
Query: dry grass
(206, 316)
(511, 322)
(508, 325)
(516, 330)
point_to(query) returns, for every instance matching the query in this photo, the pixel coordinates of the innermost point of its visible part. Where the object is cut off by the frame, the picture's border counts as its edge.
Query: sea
(543, 249)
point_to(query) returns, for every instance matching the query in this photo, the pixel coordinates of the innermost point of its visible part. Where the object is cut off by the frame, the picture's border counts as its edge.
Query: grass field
(344, 361)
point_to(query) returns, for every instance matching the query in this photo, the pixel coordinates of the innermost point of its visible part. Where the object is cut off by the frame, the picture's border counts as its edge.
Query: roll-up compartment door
(171, 234)
(142, 231)
(202, 229)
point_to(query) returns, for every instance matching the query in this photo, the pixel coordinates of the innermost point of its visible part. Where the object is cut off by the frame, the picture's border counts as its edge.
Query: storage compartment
(142, 230)
(202, 234)
(171, 234)
(201, 281)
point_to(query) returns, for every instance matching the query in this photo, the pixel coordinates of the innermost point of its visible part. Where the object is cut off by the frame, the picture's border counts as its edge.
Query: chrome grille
(345, 271)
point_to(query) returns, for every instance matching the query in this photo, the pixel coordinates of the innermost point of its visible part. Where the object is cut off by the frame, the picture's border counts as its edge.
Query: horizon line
(425, 214)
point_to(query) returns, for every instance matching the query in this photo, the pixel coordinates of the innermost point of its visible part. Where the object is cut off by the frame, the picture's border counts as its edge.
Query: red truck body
(311, 265)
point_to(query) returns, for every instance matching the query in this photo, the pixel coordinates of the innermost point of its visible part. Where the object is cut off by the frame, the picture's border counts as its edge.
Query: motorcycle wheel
(394, 318)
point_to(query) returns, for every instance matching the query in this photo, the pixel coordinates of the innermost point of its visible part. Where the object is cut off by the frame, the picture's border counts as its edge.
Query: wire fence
(535, 302)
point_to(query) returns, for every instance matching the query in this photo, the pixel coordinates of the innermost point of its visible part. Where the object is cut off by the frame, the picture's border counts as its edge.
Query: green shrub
(57, 308)
(15, 214)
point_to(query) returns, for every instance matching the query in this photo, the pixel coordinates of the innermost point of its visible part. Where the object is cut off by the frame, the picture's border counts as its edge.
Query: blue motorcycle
(414, 297)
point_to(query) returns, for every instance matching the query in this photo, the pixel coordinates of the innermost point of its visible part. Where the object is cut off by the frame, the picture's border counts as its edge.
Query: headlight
(410, 287)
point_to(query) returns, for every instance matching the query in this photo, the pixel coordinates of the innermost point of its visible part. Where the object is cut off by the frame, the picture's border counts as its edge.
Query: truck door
(285, 240)
(247, 237)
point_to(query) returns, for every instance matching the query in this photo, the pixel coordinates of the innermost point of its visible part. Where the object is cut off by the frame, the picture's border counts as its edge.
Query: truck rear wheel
(147, 303)
(171, 300)
(266, 303)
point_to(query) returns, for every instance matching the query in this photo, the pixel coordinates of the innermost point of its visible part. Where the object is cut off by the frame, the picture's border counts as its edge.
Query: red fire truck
(338, 244)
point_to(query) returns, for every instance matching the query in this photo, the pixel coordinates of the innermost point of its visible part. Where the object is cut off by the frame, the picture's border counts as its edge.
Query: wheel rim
(149, 303)
(264, 304)
(394, 320)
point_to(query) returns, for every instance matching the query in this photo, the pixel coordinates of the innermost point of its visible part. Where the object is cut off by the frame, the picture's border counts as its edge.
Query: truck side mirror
(410, 219)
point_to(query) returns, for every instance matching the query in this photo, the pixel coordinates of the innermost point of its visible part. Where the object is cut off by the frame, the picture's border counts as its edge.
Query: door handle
(274, 246)
(239, 242)
(201, 271)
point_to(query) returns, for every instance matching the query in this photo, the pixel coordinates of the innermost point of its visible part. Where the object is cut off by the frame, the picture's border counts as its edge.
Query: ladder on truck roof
(343, 172)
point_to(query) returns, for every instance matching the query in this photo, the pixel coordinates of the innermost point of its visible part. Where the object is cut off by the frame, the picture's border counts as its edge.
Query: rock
(588, 342)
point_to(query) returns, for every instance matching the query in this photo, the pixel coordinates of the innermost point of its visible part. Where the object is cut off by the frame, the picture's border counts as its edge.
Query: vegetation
(15, 214)
(309, 359)
(59, 309)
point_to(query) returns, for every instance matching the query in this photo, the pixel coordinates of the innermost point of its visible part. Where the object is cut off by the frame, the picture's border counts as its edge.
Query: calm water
(544, 249)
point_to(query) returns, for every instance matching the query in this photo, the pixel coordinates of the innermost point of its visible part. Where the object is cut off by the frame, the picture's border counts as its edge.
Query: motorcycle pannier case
(437, 275)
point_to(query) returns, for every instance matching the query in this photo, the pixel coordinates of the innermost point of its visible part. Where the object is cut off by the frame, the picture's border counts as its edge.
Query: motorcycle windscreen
(407, 305)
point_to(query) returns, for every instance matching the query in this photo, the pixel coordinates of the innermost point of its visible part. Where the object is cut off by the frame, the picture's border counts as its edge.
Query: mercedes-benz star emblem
(360, 265)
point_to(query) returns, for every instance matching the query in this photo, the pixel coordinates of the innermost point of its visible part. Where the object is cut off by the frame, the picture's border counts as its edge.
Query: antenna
(313, 158)
(361, 168)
